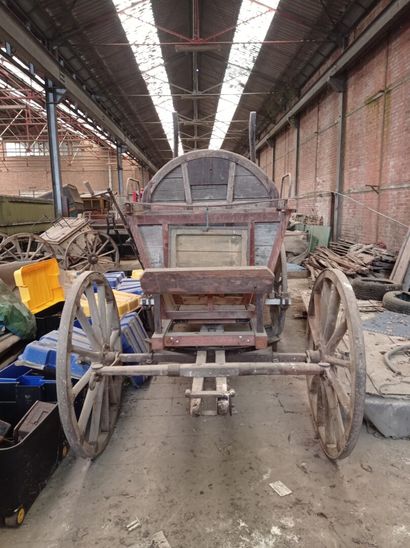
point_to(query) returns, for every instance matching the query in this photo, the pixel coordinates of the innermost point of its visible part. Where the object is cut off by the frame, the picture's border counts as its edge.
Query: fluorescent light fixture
(253, 24)
(138, 22)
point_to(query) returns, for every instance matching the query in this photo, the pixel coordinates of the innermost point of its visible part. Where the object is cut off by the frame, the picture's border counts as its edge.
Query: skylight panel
(138, 22)
(253, 24)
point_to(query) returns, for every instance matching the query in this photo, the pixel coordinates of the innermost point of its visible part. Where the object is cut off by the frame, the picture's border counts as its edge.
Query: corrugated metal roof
(82, 31)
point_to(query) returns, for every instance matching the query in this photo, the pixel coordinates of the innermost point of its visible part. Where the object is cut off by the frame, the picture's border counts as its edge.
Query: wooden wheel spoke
(86, 353)
(102, 307)
(342, 396)
(337, 335)
(95, 423)
(103, 246)
(86, 326)
(106, 253)
(86, 409)
(95, 315)
(105, 411)
(333, 360)
(82, 383)
(28, 248)
(333, 305)
(335, 428)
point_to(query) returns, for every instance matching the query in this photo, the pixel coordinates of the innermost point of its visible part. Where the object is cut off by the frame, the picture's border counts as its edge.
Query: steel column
(120, 150)
(53, 96)
(340, 160)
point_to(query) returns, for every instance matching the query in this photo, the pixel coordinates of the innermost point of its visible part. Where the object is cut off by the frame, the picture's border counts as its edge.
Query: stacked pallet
(353, 259)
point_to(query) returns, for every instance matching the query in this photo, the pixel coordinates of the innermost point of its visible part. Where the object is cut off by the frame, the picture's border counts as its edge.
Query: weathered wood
(192, 246)
(211, 167)
(187, 187)
(231, 181)
(208, 280)
(402, 262)
(197, 385)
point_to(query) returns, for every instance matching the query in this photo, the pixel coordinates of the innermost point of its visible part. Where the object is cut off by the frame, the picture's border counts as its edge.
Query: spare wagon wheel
(93, 251)
(24, 247)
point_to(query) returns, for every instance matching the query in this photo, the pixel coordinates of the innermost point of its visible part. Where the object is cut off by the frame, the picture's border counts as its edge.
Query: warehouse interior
(193, 192)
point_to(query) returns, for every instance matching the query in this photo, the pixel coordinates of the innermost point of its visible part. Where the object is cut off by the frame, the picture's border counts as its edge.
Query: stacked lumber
(352, 259)
(323, 258)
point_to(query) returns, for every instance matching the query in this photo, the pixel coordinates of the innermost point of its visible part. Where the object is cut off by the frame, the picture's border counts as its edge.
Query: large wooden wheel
(24, 247)
(88, 427)
(93, 251)
(335, 335)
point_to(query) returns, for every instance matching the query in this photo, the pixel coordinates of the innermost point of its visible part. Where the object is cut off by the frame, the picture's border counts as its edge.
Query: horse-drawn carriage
(209, 232)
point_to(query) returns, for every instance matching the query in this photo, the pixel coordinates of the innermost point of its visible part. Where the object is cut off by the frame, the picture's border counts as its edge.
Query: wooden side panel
(247, 186)
(193, 247)
(152, 236)
(208, 171)
(201, 193)
(265, 236)
(171, 188)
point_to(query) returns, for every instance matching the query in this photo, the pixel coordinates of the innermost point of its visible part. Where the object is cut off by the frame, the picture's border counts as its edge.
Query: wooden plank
(215, 314)
(208, 170)
(187, 186)
(208, 280)
(204, 193)
(197, 385)
(231, 182)
(402, 262)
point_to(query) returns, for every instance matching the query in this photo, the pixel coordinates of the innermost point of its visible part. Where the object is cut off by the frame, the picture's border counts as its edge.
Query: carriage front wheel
(335, 334)
(89, 337)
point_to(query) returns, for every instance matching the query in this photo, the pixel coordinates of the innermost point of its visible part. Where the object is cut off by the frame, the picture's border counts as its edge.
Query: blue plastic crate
(129, 285)
(114, 278)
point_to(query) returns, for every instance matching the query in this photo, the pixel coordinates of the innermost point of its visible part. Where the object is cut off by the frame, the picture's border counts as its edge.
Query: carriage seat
(208, 280)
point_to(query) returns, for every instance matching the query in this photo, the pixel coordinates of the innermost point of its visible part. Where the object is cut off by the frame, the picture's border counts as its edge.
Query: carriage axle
(233, 369)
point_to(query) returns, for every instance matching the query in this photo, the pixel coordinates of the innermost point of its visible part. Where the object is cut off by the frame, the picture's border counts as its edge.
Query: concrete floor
(204, 481)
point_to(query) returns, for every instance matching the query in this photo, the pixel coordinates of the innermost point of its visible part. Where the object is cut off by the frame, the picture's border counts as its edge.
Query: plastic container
(137, 274)
(39, 285)
(130, 286)
(126, 302)
(114, 278)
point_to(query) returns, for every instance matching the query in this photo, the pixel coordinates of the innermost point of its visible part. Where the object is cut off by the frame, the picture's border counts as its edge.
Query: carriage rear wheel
(24, 246)
(89, 408)
(280, 287)
(335, 332)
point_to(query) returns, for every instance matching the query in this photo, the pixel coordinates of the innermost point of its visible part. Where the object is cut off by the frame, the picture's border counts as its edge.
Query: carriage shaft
(232, 369)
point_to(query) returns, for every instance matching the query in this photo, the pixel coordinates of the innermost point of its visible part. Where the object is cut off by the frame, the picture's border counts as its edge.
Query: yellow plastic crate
(126, 302)
(137, 274)
(39, 285)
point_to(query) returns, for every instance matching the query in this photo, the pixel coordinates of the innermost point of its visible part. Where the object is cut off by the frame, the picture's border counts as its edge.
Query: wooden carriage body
(209, 231)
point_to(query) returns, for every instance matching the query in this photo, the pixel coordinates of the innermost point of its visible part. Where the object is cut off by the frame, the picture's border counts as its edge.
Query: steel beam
(53, 97)
(380, 25)
(31, 50)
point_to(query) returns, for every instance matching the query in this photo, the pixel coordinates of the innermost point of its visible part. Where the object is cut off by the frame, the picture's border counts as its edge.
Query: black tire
(397, 301)
(373, 288)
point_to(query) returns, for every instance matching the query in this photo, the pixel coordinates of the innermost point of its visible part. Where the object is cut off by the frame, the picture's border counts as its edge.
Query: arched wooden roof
(209, 176)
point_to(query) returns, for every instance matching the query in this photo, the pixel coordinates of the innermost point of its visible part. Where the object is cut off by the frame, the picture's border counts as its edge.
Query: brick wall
(32, 174)
(377, 145)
